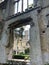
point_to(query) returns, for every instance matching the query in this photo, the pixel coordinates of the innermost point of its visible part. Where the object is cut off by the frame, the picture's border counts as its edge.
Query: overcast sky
(1, 1)
(25, 5)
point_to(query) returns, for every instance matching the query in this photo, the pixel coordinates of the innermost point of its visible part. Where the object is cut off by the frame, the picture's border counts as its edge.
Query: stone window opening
(26, 26)
(22, 5)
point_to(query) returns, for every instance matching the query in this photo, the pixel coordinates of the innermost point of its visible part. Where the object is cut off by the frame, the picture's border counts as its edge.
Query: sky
(1, 1)
(25, 5)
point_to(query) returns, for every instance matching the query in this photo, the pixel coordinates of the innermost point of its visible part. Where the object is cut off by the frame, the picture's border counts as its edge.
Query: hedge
(20, 56)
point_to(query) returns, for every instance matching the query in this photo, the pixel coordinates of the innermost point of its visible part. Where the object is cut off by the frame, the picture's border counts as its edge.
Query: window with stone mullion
(21, 5)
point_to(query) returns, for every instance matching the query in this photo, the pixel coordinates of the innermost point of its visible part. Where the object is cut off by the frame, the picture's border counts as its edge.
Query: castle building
(37, 16)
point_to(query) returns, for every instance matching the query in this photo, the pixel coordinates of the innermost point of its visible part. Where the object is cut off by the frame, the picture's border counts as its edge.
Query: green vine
(47, 64)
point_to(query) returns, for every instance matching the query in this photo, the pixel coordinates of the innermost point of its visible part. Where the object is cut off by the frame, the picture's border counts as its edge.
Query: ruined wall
(36, 55)
(4, 34)
(44, 34)
(39, 34)
(1, 23)
(45, 3)
(9, 9)
(2, 48)
(35, 51)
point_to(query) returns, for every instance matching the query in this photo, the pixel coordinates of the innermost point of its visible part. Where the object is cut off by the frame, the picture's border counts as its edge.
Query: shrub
(47, 64)
(21, 57)
(21, 53)
(18, 57)
(27, 51)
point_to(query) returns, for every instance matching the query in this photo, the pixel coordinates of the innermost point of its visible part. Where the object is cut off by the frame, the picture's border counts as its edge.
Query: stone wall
(39, 34)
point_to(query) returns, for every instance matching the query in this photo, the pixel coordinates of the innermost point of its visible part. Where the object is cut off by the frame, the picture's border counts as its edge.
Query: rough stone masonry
(39, 32)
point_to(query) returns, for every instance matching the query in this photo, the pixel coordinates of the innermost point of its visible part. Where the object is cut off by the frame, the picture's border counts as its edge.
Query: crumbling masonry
(38, 18)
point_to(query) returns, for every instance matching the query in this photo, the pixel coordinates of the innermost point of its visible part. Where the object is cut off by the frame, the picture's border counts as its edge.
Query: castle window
(21, 5)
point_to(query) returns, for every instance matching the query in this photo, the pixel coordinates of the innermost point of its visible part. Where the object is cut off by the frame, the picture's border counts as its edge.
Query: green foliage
(27, 51)
(21, 57)
(18, 57)
(21, 53)
(47, 64)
